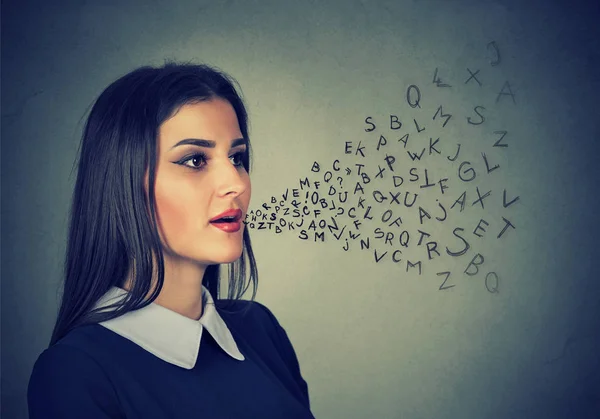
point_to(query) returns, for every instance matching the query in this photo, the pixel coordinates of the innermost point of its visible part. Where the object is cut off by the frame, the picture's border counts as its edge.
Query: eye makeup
(205, 159)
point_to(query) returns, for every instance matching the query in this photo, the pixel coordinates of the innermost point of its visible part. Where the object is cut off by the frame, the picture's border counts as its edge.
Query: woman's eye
(237, 159)
(196, 160)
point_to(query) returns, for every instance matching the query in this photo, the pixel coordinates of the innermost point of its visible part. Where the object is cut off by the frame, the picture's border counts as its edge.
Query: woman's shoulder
(70, 358)
(64, 373)
(69, 354)
(60, 358)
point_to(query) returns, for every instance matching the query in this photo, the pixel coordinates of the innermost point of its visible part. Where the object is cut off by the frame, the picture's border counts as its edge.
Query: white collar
(167, 334)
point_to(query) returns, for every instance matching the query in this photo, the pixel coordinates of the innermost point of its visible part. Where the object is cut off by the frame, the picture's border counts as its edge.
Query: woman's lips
(228, 227)
(231, 213)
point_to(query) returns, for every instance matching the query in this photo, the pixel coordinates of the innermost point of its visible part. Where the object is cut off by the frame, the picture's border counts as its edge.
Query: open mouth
(229, 223)
(230, 216)
(226, 220)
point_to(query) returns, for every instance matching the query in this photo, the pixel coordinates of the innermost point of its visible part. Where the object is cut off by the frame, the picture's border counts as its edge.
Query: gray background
(373, 339)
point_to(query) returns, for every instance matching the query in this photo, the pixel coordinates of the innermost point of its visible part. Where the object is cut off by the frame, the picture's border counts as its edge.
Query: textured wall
(387, 324)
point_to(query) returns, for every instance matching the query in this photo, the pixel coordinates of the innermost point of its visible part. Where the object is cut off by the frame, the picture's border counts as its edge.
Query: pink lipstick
(228, 221)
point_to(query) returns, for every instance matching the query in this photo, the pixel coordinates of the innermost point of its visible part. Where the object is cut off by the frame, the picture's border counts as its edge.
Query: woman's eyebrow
(208, 143)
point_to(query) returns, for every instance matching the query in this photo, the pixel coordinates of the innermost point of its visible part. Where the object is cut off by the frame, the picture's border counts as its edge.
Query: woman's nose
(230, 179)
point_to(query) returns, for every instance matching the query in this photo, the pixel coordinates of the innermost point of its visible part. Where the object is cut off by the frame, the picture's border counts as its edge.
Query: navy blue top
(94, 372)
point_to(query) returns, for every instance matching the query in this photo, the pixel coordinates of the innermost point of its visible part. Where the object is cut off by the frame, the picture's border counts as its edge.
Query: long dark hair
(111, 221)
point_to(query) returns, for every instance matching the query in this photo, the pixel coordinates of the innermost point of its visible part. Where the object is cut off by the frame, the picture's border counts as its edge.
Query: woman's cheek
(172, 214)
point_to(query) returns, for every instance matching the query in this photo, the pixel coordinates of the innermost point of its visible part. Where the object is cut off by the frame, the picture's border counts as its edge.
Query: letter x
(473, 76)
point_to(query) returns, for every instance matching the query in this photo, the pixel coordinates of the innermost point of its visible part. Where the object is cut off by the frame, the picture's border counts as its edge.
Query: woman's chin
(228, 257)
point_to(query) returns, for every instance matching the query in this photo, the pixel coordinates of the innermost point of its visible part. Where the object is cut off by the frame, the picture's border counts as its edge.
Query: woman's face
(198, 180)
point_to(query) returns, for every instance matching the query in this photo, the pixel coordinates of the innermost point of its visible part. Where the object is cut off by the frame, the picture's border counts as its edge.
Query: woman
(161, 194)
